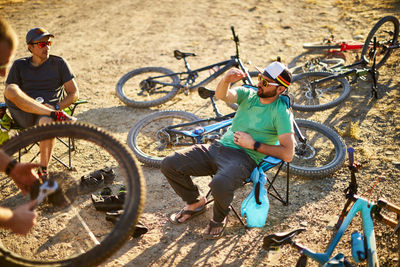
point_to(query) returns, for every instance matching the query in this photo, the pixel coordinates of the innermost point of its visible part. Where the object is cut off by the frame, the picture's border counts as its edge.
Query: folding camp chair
(266, 164)
(7, 124)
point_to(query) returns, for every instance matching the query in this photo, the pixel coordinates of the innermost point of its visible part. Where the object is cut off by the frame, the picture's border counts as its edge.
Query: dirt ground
(102, 40)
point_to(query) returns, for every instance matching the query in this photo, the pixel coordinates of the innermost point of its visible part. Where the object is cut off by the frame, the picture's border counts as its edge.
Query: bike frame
(366, 208)
(191, 75)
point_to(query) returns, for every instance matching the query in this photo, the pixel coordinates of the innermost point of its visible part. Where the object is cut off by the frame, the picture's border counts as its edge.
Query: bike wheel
(321, 45)
(386, 31)
(136, 91)
(323, 153)
(151, 144)
(72, 232)
(315, 97)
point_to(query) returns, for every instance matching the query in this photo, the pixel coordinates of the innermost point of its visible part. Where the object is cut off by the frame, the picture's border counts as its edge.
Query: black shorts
(22, 118)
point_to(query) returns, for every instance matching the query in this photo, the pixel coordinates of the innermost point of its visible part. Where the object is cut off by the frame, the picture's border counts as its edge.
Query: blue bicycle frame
(366, 208)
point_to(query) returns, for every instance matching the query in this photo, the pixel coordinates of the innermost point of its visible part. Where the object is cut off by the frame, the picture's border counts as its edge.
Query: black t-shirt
(44, 81)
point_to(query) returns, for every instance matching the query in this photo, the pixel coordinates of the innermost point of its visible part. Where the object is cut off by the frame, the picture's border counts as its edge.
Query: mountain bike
(331, 45)
(319, 150)
(315, 91)
(153, 86)
(69, 231)
(363, 244)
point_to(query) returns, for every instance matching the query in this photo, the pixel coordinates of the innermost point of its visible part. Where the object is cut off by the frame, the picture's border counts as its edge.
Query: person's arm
(21, 220)
(23, 174)
(223, 92)
(283, 151)
(71, 88)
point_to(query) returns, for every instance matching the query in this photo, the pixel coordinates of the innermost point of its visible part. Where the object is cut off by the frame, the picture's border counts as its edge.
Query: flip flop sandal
(213, 225)
(174, 218)
(107, 203)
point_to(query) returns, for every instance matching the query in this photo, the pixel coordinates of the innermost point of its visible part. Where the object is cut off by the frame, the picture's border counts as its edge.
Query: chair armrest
(71, 109)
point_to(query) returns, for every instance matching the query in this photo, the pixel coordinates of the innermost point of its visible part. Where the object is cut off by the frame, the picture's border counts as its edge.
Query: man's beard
(262, 94)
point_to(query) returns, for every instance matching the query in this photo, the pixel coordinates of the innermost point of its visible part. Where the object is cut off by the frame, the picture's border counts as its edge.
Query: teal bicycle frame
(366, 208)
(369, 211)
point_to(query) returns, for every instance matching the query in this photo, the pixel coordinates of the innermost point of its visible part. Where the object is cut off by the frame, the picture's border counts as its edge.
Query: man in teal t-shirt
(262, 126)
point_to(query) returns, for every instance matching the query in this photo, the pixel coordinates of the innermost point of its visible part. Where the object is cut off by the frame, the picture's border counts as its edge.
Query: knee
(168, 164)
(218, 185)
(12, 91)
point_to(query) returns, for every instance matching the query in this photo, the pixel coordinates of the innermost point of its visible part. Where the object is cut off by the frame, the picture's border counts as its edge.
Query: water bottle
(358, 247)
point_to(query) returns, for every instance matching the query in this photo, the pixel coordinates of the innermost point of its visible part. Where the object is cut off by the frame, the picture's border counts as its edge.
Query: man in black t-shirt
(39, 87)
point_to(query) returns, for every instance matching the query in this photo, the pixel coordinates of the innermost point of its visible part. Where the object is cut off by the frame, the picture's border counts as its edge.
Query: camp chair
(266, 164)
(7, 124)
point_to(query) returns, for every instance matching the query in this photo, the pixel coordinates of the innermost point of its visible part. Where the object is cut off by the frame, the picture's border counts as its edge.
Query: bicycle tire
(320, 45)
(374, 32)
(328, 94)
(128, 166)
(153, 155)
(324, 154)
(124, 93)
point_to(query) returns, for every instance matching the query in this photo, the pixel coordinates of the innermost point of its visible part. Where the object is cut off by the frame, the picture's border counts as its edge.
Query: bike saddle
(179, 55)
(278, 239)
(204, 92)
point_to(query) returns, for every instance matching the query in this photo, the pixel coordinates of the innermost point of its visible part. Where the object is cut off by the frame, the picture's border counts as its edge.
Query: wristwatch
(256, 145)
(57, 107)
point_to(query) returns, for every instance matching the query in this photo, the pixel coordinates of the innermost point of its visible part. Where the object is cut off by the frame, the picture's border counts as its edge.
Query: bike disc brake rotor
(304, 151)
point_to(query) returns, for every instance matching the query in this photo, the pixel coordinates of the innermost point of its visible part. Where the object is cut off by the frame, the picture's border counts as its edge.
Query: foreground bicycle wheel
(308, 96)
(135, 90)
(73, 232)
(323, 153)
(386, 31)
(151, 144)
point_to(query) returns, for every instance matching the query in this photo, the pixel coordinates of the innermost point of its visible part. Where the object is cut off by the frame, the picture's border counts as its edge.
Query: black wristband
(10, 166)
(256, 145)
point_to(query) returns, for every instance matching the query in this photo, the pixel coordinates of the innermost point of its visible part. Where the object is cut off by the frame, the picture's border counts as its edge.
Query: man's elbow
(288, 157)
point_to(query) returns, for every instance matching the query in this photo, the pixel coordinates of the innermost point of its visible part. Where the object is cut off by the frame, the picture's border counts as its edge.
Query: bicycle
(153, 86)
(332, 45)
(320, 151)
(363, 245)
(315, 91)
(68, 231)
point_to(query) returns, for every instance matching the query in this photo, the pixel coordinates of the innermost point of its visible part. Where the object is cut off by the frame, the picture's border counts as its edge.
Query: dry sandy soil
(102, 40)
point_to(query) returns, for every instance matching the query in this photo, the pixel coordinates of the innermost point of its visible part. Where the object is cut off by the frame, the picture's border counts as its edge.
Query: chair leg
(275, 192)
(230, 207)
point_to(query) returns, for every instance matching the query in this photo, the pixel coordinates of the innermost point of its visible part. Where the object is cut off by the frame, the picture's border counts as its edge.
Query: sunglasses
(42, 44)
(264, 82)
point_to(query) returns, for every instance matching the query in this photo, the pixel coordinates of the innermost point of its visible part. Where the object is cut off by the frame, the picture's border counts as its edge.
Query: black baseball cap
(36, 34)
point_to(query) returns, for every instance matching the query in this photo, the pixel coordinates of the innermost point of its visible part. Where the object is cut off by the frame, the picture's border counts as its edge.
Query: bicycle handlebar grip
(350, 150)
(233, 31)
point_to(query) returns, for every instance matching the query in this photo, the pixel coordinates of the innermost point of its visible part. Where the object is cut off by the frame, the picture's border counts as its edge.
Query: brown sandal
(174, 218)
(213, 225)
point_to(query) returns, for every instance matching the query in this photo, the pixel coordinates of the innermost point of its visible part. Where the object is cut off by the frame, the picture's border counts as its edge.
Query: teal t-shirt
(264, 122)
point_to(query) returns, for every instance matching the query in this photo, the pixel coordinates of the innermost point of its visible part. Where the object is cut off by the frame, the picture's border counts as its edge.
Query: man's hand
(234, 75)
(24, 218)
(24, 175)
(244, 140)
